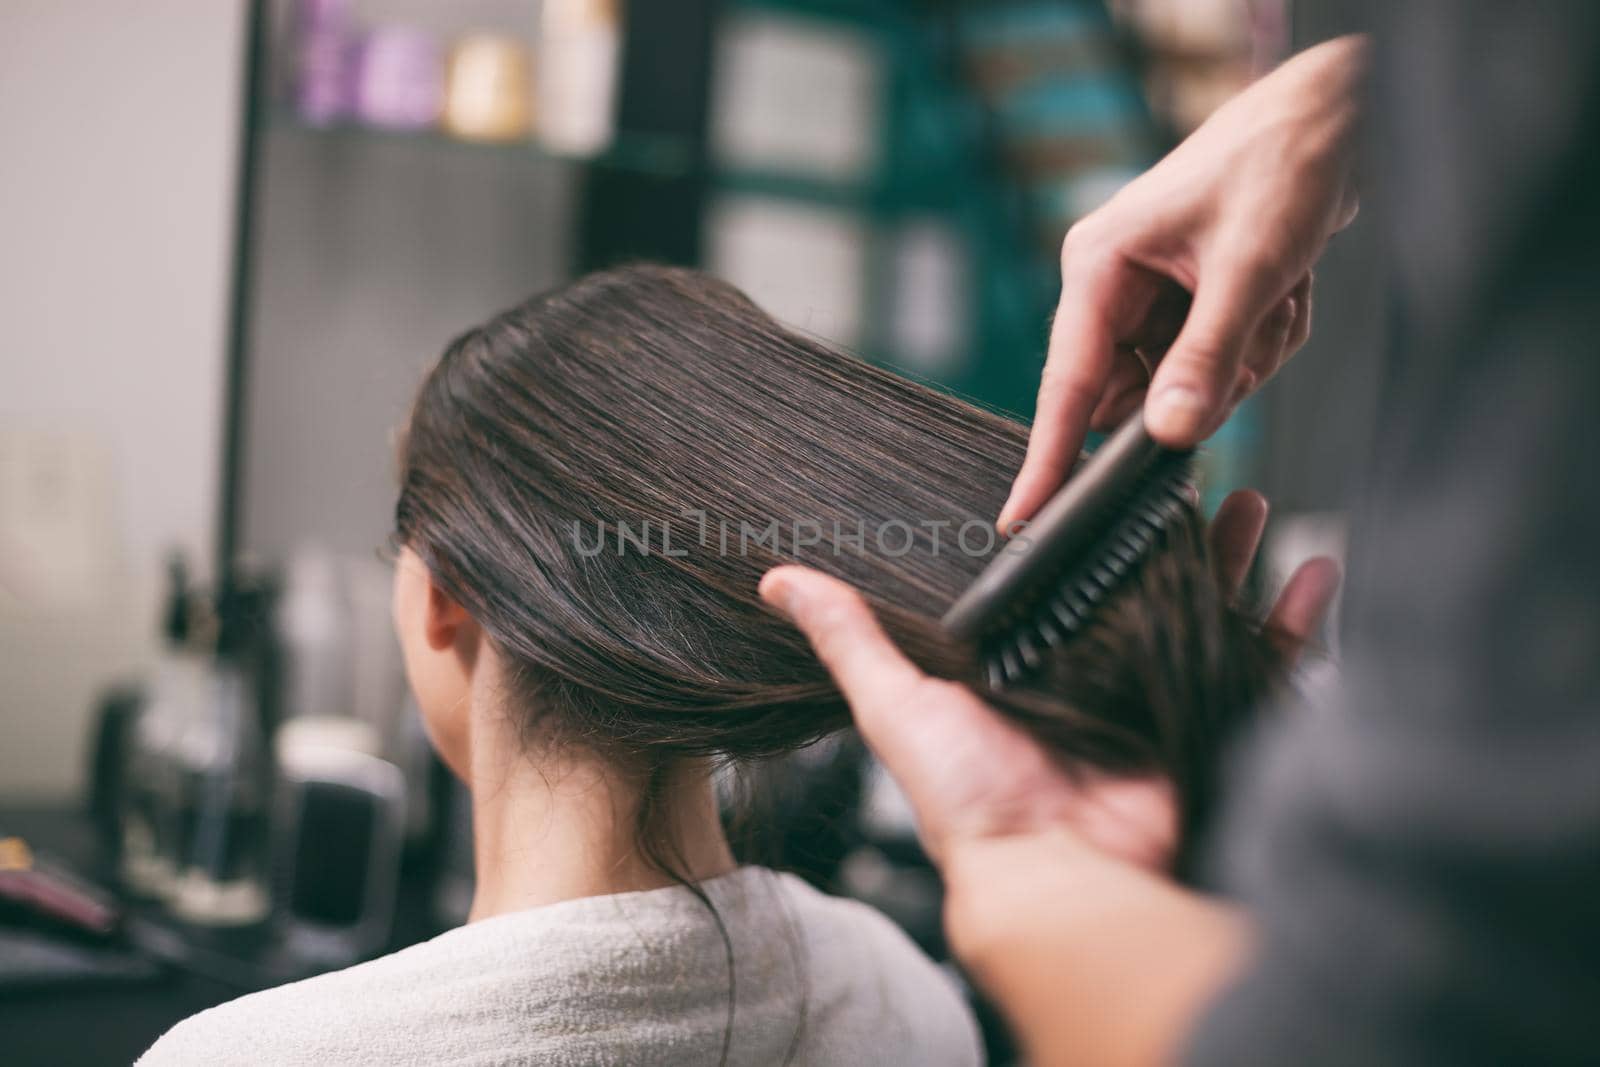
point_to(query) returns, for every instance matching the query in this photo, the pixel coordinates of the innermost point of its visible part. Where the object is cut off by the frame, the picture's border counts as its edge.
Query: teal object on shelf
(935, 171)
(1229, 459)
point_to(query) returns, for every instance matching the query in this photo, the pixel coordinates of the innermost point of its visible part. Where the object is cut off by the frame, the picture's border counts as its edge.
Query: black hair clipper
(1096, 530)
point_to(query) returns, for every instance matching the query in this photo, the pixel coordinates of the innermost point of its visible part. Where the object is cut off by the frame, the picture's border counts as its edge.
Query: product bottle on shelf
(323, 40)
(314, 627)
(580, 45)
(226, 779)
(151, 811)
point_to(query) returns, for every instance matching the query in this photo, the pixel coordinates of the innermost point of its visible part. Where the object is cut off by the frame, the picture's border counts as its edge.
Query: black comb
(1086, 540)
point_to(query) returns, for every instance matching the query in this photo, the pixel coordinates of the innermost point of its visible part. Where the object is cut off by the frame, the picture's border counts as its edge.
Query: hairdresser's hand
(1234, 217)
(1050, 903)
(974, 777)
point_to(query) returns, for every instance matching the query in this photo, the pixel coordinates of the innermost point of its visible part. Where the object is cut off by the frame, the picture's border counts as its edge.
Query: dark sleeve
(1423, 852)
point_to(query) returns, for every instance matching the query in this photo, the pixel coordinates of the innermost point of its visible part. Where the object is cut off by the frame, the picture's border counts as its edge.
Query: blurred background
(232, 236)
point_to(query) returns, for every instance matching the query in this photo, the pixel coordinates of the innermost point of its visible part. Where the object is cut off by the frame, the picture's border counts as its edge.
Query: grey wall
(374, 250)
(116, 201)
(117, 125)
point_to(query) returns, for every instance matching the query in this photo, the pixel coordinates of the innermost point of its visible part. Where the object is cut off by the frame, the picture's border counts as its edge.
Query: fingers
(1124, 391)
(1075, 374)
(1303, 603)
(1300, 331)
(958, 762)
(1281, 334)
(1268, 347)
(1349, 208)
(968, 773)
(1235, 534)
(1195, 383)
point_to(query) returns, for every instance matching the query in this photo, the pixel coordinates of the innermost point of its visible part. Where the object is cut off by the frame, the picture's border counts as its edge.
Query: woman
(592, 485)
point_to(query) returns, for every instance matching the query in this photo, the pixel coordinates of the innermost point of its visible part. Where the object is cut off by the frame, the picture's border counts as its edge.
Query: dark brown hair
(596, 475)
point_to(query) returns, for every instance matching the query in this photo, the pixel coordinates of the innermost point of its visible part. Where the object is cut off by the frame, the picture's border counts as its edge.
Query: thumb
(948, 750)
(875, 677)
(1192, 388)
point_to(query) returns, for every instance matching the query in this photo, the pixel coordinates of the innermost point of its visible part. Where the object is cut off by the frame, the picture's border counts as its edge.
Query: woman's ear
(439, 641)
(445, 623)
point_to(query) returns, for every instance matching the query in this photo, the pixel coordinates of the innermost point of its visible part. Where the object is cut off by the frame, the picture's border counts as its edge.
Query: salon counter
(112, 1022)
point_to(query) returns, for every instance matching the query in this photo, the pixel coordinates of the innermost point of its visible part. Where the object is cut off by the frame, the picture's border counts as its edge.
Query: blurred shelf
(653, 155)
(841, 195)
(888, 196)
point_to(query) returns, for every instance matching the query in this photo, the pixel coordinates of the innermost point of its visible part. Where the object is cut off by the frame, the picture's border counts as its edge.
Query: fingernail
(1178, 412)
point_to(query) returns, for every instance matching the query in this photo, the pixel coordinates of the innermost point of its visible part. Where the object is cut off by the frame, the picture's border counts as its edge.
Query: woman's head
(597, 479)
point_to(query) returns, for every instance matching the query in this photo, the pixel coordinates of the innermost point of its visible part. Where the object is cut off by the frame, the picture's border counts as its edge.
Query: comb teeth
(1011, 661)
(1011, 655)
(995, 671)
(1069, 615)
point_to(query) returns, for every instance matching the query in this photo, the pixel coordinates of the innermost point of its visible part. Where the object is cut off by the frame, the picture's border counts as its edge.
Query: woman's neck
(559, 824)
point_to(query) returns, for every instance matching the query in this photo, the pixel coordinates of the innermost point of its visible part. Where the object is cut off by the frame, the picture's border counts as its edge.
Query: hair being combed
(661, 395)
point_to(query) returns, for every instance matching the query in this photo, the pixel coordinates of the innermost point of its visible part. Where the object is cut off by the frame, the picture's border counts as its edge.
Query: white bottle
(151, 801)
(151, 808)
(223, 880)
(314, 623)
(580, 43)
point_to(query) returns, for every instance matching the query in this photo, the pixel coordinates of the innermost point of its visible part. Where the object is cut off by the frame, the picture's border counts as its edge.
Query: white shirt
(632, 978)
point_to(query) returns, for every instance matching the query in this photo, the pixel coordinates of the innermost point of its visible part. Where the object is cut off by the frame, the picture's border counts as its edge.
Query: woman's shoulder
(867, 975)
(367, 1013)
(597, 972)
(287, 1024)
(844, 924)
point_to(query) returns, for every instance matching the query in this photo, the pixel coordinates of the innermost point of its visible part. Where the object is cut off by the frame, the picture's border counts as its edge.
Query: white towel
(634, 978)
